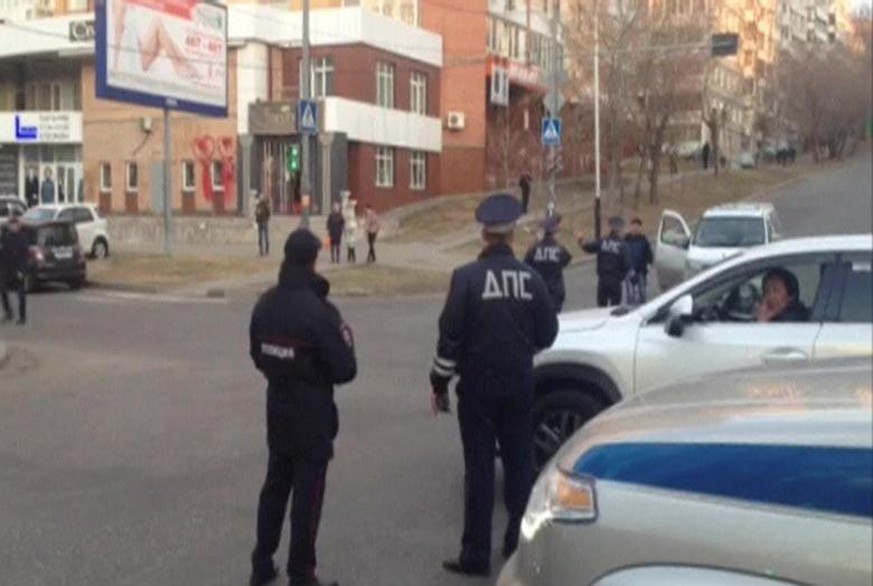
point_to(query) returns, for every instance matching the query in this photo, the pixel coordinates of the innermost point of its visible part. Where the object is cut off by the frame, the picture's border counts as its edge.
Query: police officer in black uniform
(497, 316)
(303, 347)
(613, 262)
(549, 258)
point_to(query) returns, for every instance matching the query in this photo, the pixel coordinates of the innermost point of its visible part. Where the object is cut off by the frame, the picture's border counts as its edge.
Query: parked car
(8, 204)
(93, 230)
(55, 253)
(761, 477)
(681, 252)
(705, 325)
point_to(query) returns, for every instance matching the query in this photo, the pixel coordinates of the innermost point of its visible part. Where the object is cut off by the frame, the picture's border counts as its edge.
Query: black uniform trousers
(608, 291)
(506, 417)
(306, 478)
(10, 282)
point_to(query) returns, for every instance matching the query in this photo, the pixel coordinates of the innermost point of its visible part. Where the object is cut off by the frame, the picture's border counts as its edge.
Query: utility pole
(597, 119)
(554, 106)
(168, 182)
(305, 185)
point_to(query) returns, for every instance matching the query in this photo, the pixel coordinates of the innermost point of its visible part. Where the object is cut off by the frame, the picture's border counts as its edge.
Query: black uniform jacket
(613, 261)
(549, 258)
(300, 343)
(497, 316)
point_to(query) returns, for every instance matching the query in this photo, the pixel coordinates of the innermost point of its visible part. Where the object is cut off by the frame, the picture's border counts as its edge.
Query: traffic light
(294, 158)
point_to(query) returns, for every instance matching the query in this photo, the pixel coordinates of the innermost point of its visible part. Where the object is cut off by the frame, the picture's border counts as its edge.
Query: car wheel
(557, 416)
(100, 249)
(76, 284)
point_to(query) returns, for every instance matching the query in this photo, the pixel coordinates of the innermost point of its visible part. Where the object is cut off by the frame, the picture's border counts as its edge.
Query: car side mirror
(684, 242)
(680, 313)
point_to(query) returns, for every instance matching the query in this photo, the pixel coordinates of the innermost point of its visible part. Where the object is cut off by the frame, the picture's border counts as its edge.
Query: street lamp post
(305, 185)
(597, 119)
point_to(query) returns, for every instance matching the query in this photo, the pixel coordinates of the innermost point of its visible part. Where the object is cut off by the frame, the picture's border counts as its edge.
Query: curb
(123, 287)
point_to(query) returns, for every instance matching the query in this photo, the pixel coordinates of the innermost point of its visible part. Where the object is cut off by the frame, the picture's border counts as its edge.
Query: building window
(322, 77)
(384, 167)
(188, 176)
(131, 173)
(105, 178)
(417, 170)
(384, 85)
(217, 172)
(418, 93)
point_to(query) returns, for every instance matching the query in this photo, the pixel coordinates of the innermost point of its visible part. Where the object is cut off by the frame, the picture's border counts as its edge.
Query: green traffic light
(294, 158)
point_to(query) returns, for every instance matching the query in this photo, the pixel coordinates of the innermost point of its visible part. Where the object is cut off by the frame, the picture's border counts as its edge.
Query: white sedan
(92, 229)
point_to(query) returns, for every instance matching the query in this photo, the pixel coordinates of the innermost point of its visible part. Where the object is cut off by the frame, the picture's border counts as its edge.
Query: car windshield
(39, 214)
(729, 232)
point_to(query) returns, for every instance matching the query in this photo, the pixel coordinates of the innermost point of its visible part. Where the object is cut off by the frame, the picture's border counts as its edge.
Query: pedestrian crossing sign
(551, 132)
(307, 117)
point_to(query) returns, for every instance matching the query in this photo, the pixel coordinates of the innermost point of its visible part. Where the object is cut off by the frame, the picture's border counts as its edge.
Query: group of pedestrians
(342, 226)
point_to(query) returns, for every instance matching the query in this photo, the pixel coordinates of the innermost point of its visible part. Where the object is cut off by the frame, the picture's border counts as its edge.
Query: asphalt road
(132, 440)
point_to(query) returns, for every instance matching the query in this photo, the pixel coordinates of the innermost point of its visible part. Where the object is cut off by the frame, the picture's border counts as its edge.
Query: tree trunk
(639, 187)
(654, 174)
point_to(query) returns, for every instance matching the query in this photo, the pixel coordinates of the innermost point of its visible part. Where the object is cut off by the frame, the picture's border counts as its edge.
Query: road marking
(119, 297)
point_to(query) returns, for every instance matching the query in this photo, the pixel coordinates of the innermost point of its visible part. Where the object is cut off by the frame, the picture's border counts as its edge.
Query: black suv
(54, 253)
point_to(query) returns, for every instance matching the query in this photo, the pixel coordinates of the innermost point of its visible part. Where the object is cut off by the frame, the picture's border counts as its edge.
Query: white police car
(757, 478)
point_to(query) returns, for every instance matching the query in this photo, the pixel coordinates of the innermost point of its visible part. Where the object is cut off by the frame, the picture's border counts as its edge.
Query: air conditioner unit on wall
(455, 121)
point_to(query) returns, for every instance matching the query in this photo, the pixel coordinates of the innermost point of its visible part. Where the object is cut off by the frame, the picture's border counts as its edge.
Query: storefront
(41, 156)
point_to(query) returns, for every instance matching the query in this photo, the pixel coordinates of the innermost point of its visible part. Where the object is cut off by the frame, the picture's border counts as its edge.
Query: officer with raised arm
(497, 316)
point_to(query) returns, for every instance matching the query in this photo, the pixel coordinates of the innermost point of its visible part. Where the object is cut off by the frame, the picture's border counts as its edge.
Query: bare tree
(652, 69)
(825, 92)
(513, 141)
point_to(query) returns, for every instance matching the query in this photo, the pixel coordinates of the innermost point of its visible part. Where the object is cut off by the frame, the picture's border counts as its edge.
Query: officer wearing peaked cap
(497, 316)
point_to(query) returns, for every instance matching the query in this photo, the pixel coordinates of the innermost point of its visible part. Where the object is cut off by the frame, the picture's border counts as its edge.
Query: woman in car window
(781, 301)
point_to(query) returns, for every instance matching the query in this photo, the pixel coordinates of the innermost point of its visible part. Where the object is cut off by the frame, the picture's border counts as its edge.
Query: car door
(671, 249)
(85, 226)
(847, 328)
(724, 333)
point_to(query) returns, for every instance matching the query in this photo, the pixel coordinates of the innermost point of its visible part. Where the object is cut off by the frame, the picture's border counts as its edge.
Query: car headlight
(559, 496)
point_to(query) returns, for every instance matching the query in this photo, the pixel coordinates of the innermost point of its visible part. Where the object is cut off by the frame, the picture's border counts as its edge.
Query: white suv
(682, 252)
(705, 325)
(93, 230)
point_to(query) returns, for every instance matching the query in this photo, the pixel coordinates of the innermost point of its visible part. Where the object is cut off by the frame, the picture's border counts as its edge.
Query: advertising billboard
(163, 53)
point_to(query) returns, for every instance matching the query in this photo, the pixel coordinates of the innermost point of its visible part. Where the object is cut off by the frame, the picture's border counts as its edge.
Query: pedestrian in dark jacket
(335, 226)
(524, 185)
(301, 344)
(262, 219)
(497, 316)
(14, 267)
(549, 258)
(640, 256)
(612, 263)
(704, 153)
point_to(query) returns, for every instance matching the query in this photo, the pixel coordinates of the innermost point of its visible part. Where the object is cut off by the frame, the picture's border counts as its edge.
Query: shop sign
(40, 127)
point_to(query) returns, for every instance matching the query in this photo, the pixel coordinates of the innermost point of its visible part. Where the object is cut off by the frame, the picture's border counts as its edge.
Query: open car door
(674, 237)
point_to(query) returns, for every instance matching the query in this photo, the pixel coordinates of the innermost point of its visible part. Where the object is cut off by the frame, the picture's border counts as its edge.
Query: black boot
(262, 578)
(456, 566)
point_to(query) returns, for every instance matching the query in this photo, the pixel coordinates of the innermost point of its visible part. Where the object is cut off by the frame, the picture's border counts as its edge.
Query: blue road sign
(551, 132)
(307, 117)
